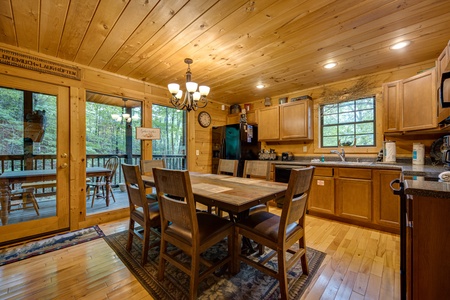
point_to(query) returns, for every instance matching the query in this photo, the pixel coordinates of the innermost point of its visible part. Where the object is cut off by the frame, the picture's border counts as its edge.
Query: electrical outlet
(197, 152)
(305, 148)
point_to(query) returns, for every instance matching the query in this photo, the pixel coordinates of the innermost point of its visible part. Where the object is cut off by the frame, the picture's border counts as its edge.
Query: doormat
(249, 283)
(59, 241)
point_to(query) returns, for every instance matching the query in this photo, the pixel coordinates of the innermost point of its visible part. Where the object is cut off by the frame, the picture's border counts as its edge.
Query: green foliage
(172, 124)
(347, 122)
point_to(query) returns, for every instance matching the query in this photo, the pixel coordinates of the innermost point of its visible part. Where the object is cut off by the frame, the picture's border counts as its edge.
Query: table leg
(4, 201)
(108, 188)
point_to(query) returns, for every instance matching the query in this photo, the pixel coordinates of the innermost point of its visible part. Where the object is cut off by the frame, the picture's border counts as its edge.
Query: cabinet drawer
(355, 173)
(319, 171)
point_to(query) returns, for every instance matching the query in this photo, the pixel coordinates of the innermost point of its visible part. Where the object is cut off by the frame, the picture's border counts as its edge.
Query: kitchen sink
(348, 163)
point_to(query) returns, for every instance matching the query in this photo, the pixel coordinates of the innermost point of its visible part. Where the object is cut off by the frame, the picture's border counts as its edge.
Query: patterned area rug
(60, 241)
(249, 283)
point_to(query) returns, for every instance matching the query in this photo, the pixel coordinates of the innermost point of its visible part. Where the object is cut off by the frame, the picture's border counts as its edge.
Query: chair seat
(266, 224)
(209, 225)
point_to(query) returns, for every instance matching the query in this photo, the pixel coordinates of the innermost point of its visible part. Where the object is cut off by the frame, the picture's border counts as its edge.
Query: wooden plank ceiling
(235, 44)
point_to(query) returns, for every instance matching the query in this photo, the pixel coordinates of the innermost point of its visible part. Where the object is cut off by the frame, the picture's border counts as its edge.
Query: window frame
(355, 134)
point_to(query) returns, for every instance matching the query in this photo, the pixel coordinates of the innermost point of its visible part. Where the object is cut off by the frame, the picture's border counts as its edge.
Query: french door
(34, 152)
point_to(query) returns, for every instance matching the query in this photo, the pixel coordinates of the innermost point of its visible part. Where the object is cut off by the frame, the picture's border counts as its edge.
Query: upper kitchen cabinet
(411, 104)
(290, 121)
(418, 101)
(269, 123)
(391, 94)
(296, 120)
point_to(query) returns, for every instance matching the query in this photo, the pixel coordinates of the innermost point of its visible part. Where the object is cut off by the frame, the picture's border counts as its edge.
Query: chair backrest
(112, 163)
(257, 169)
(135, 188)
(148, 165)
(176, 201)
(228, 167)
(295, 201)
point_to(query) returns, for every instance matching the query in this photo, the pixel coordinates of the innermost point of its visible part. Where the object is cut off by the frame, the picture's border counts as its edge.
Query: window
(172, 145)
(348, 123)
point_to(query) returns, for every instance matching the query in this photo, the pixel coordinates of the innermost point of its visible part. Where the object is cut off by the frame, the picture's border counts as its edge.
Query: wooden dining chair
(142, 211)
(279, 233)
(100, 183)
(147, 166)
(226, 167)
(257, 169)
(190, 231)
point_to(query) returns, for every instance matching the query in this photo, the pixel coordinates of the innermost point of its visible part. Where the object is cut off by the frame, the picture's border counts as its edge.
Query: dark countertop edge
(427, 188)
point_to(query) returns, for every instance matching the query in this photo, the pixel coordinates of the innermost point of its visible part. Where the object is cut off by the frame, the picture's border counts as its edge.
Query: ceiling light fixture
(260, 86)
(193, 99)
(400, 45)
(124, 116)
(330, 65)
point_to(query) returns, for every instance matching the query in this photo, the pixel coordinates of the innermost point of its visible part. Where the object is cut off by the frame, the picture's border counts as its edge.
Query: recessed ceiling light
(330, 65)
(400, 45)
(260, 86)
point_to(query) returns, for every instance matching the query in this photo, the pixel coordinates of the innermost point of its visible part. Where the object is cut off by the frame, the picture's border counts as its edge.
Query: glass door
(34, 155)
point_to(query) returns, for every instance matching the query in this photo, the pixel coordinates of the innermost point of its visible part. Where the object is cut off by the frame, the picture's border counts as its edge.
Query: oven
(282, 173)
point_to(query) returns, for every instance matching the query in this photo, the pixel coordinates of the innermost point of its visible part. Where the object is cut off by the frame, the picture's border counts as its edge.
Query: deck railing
(44, 162)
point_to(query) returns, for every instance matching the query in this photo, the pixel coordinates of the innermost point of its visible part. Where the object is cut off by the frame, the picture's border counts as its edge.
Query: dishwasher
(282, 174)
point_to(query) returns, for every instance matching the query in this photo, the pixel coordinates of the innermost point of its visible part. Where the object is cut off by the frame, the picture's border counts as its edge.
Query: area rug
(59, 241)
(249, 283)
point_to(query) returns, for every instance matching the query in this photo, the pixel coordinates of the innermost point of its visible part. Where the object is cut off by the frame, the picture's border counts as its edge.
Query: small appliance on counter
(446, 152)
(287, 156)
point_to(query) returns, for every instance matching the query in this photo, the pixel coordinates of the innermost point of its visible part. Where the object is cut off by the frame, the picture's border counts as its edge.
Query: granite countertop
(425, 188)
(408, 169)
(424, 180)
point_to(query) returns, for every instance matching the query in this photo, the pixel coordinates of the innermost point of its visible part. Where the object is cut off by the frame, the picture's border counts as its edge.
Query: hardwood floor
(360, 264)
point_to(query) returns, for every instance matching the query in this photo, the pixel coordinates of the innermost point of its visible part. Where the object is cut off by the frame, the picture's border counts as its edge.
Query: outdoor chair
(279, 233)
(19, 199)
(190, 231)
(142, 211)
(100, 183)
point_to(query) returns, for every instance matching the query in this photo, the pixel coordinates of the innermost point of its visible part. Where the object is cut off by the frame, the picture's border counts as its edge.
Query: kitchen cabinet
(418, 101)
(296, 120)
(427, 247)
(269, 123)
(354, 194)
(407, 99)
(391, 116)
(386, 205)
(321, 198)
(290, 121)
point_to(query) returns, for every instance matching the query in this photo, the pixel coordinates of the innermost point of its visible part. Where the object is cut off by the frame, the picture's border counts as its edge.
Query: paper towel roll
(389, 152)
(418, 154)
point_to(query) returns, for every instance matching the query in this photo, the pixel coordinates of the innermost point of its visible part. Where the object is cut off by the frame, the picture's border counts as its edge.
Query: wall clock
(204, 119)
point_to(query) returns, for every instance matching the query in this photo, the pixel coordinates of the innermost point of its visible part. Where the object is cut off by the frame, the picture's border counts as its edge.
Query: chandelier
(193, 99)
(124, 116)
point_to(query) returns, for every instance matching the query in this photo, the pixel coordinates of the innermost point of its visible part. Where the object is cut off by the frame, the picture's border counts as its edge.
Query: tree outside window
(349, 123)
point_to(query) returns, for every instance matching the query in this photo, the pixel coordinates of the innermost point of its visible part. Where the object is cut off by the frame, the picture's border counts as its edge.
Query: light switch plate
(305, 148)
(197, 152)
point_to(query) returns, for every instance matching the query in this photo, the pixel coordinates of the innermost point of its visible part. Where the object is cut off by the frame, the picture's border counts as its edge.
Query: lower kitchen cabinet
(386, 205)
(321, 197)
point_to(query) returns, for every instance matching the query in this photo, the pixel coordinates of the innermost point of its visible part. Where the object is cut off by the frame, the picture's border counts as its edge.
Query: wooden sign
(29, 62)
(148, 133)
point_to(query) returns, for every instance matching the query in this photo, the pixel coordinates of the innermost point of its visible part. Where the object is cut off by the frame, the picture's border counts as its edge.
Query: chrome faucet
(341, 155)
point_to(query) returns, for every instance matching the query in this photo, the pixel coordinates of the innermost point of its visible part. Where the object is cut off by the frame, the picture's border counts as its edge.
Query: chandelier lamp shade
(193, 99)
(124, 116)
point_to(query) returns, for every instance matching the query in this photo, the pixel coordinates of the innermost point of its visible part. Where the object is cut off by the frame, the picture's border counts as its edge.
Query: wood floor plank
(361, 263)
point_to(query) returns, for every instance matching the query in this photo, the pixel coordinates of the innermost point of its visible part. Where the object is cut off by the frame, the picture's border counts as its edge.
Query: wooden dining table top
(232, 194)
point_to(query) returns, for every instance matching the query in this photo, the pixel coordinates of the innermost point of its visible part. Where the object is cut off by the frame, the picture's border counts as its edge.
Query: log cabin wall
(199, 138)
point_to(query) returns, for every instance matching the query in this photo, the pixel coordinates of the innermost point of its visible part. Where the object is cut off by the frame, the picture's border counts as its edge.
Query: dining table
(235, 195)
(7, 179)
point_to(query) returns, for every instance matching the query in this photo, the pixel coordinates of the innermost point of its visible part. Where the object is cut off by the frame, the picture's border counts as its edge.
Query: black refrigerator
(236, 141)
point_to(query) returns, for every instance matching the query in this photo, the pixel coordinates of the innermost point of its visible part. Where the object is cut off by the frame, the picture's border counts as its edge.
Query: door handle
(64, 155)
(64, 165)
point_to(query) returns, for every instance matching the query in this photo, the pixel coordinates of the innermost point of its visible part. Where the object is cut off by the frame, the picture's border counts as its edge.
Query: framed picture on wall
(143, 133)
